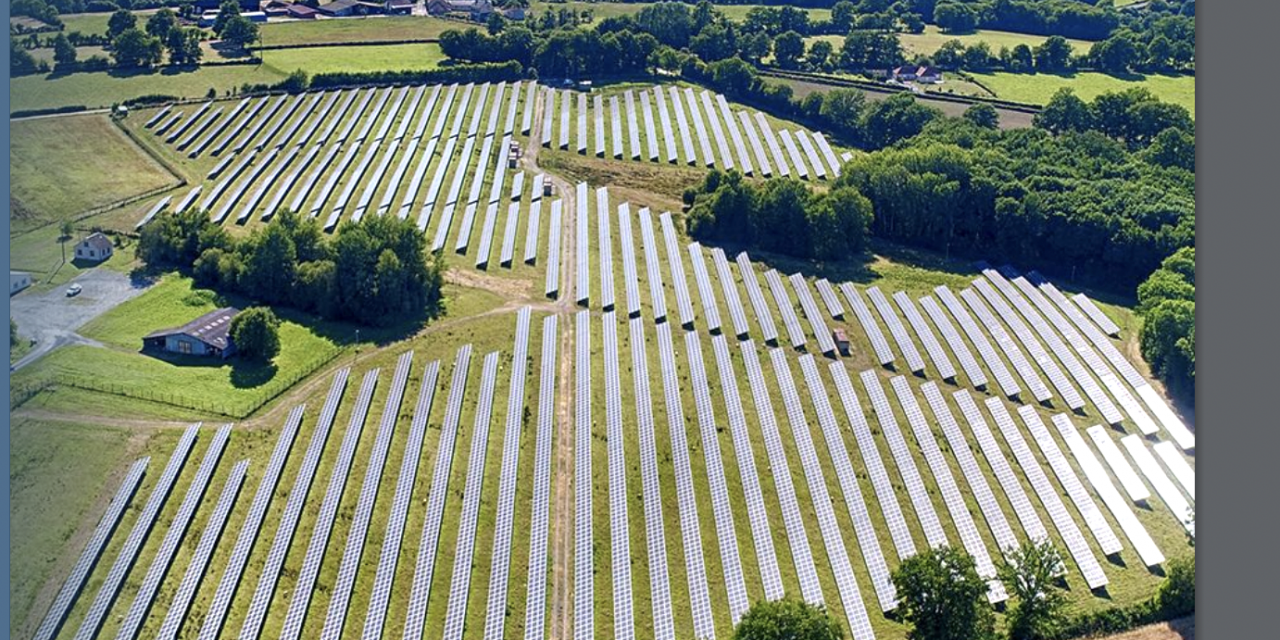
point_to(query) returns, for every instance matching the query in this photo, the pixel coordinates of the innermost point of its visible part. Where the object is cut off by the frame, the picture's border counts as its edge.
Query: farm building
(339, 8)
(95, 248)
(921, 73)
(204, 336)
(18, 280)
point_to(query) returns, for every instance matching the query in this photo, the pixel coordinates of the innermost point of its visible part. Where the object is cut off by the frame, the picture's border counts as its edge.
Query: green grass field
(313, 60)
(1039, 88)
(354, 30)
(64, 166)
(103, 88)
(928, 42)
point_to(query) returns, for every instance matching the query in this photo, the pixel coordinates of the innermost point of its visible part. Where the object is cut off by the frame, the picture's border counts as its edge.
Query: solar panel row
(868, 322)
(1034, 383)
(630, 279)
(735, 135)
(605, 238)
(532, 231)
(829, 298)
(779, 159)
(619, 528)
(762, 157)
(722, 146)
(813, 314)
(811, 154)
(1169, 494)
(908, 348)
(977, 377)
(705, 291)
(1018, 499)
(690, 156)
(1008, 386)
(789, 320)
(1059, 380)
(536, 572)
(683, 303)
(931, 346)
(729, 286)
(768, 332)
(633, 125)
(793, 154)
(1133, 486)
(615, 127)
(582, 246)
(650, 129)
(554, 230)
(583, 563)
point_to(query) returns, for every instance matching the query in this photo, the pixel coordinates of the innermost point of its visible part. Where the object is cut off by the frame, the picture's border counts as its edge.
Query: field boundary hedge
(868, 85)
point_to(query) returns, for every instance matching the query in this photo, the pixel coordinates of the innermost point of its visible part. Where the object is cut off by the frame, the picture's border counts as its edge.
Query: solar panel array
(789, 320)
(633, 126)
(460, 584)
(931, 346)
(180, 604)
(654, 270)
(1095, 314)
(832, 539)
(424, 570)
(827, 152)
(717, 132)
(1164, 487)
(1058, 514)
(296, 616)
(630, 279)
(615, 127)
(829, 298)
(764, 317)
(668, 137)
(554, 230)
(384, 579)
(813, 314)
(811, 154)
(916, 490)
(509, 235)
(650, 128)
(1177, 465)
(683, 304)
(1093, 518)
(973, 475)
(583, 578)
(704, 140)
(340, 592)
(880, 482)
(526, 122)
(868, 322)
(729, 286)
(1029, 341)
(173, 536)
(845, 474)
(762, 156)
(908, 348)
(548, 112)
(793, 153)
(735, 135)
(801, 556)
(1008, 386)
(582, 246)
(97, 543)
(655, 537)
(1097, 475)
(1129, 480)
(536, 602)
(735, 584)
(779, 158)
(606, 248)
(951, 496)
(114, 580)
(619, 529)
(1000, 467)
(706, 292)
(686, 140)
(257, 612)
(565, 96)
(1010, 348)
(695, 571)
(582, 122)
(977, 377)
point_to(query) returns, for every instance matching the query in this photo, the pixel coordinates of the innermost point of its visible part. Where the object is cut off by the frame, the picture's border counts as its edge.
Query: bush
(256, 334)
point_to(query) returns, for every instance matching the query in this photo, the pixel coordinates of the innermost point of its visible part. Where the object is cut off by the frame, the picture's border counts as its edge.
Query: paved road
(52, 319)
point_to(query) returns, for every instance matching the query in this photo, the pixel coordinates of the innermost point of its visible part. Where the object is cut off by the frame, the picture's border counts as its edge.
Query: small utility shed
(204, 336)
(18, 280)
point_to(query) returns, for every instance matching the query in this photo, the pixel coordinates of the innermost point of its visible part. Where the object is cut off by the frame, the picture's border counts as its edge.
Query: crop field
(739, 483)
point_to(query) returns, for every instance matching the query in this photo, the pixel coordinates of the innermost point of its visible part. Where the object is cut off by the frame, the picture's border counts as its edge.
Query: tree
(64, 54)
(819, 55)
(955, 18)
(1030, 574)
(133, 48)
(789, 618)
(496, 23)
(842, 15)
(161, 23)
(1065, 112)
(120, 21)
(982, 115)
(1054, 54)
(228, 10)
(895, 118)
(1173, 148)
(787, 49)
(270, 264)
(942, 597)
(1115, 54)
(13, 332)
(240, 32)
(183, 46)
(1177, 594)
(255, 332)
(21, 62)
(1021, 60)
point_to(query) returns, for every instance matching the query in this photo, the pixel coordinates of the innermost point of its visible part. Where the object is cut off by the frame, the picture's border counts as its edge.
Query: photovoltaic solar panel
(650, 129)
(832, 539)
(173, 536)
(1058, 514)
(1099, 318)
(583, 537)
(735, 584)
(536, 573)
(811, 154)
(548, 112)
(532, 231)
(582, 123)
(686, 139)
(565, 97)
(695, 570)
(1018, 499)
(908, 348)
(779, 159)
(654, 270)
(257, 613)
(1038, 389)
(977, 377)
(460, 585)
(825, 148)
(1097, 475)
(605, 240)
(553, 250)
(1169, 494)
(785, 307)
(513, 105)
(1032, 345)
(582, 247)
(668, 136)
(88, 558)
(704, 139)
(722, 145)
(380, 593)
(762, 157)
(340, 593)
(735, 135)
(526, 120)
(615, 127)
(633, 126)
(829, 298)
(793, 154)
(729, 286)
(951, 496)
(630, 279)
(655, 538)
(710, 310)
(676, 264)
(977, 481)
(424, 571)
(812, 313)
(868, 322)
(931, 346)
(1129, 480)
(619, 534)
(508, 250)
(296, 615)
(1008, 386)
(597, 106)
(1066, 475)
(111, 585)
(764, 317)
(862, 525)
(486, 236)
(158, 116)
(1177, 465)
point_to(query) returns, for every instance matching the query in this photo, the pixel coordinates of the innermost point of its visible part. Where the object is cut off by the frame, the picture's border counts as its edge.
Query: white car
(74, 290)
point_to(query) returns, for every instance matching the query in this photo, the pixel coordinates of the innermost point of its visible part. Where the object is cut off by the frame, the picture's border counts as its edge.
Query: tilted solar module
(531, 232)
(553, 250)
(1168, 492)
(486, 237)
(686, 138)
(517, 185)
(630, 279)
(908, 348)
(582, 123)
(605, 240)
(548, 113)
(744, 159)
(1037, 387)
(825, 148)
(768, 331)
(619, 534)
(188, 199)
(931, 345)
(868, 322)
(695, 570)
(424, 571)
(1177, 465)
(204, 125)
(151, 213)
(509, 235)
(460, 585)
(582, 246)
(583, 538)
(668, 136)
(655, 537)
(812, 314)
(779, 159)
(158, 116)
(597, 105)
(380, 593)
(729, 286)
(190, 121)
(829, 298)
(633, 125)
(704, 139)
(526, 120)
(811, 154)
(717, 132)
(615, 127)
(1008, 385)
(213, 133)
(1032, 345)
(951, 496)
(793, 153)
(833, 540)
(734, 582)
(173, 536)
(1133, 486)
(1058, 514)
(705, 291)
(262, 595)
(977, 377)
(650, 129)
(683, 303)
(513, 105)
(1099, 318)
(654, 270)
(858, 514)
(420, 171)
(536, 572)
(1018, 499)
(786, 308)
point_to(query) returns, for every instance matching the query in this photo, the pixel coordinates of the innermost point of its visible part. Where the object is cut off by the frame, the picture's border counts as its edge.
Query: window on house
(184, 347)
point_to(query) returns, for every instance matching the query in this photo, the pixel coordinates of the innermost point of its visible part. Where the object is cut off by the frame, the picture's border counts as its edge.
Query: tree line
(1167, 305)
(374, 272)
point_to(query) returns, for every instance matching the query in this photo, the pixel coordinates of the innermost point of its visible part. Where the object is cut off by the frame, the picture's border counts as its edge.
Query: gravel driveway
(52, 319)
